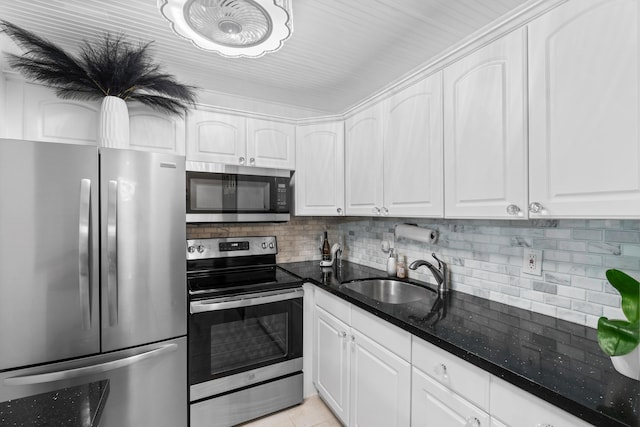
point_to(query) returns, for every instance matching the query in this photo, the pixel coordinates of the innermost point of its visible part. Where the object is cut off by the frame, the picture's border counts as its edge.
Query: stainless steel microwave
(237, 197)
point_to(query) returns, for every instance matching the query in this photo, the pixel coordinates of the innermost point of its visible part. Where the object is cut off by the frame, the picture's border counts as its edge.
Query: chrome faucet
(439, 273)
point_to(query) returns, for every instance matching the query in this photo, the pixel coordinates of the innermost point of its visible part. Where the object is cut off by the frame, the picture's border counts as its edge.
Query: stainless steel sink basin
(389, 291)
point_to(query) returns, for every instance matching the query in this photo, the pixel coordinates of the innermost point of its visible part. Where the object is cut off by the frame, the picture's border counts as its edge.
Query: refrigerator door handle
(67, 374)
(84, 283)
(112, 252)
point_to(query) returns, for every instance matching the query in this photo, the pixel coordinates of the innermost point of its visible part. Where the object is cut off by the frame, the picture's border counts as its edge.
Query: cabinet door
(214, 137)
(485, 133)
(150, 130)
(434, 405)
(363, 162)
(319, 177)
(380, 385)
(413, 175)
(271, 144)
(584, 109)
(45, 117)
(331, 362)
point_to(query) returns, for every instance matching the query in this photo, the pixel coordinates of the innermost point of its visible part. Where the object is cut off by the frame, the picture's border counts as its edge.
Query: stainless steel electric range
(245, 331)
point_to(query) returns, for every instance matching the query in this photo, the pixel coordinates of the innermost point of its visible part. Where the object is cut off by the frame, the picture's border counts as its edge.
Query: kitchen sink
(390, 291)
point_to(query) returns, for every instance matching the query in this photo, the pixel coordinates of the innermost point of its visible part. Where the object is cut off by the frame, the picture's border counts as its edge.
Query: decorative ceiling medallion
(231, 28)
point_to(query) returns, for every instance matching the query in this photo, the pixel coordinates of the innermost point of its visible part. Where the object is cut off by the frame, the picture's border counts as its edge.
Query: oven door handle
(216, 304)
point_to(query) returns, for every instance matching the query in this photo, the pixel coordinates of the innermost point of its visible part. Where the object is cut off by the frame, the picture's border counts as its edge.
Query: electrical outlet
(532, 262)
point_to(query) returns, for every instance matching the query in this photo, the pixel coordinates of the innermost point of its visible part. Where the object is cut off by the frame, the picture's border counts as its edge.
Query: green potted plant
(620, 338)
(111, 70)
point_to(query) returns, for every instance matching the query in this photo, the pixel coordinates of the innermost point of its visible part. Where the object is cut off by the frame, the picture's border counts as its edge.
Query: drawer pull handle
(472, 422)
(442, 371)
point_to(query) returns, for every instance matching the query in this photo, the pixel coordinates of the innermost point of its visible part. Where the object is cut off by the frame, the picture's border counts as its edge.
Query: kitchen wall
(485, 256)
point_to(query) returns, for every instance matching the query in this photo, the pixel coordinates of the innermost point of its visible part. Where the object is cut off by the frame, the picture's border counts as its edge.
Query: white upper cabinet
(484, 132)
(216, 138)
(37, 114)
(34, 112)
(584, 142)
(319, 178)
(413, 157)
(363, 162)
(236, 140)
(271, 144)
(150, 130)
(394, 154)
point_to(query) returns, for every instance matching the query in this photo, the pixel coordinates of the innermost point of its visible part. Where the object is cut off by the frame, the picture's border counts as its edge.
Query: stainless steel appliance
(245, 331)
(92, 277)
(238, 195)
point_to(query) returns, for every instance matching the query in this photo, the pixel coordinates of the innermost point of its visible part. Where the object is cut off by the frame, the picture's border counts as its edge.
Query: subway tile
(585, 234)
(544, 287)
(611, 300)
(587, 307)
(556, 233)
(587, 283)
(605, 248)
(622, 236)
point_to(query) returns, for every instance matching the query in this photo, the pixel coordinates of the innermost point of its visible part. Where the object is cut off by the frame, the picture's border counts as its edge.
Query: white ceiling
(341, 51)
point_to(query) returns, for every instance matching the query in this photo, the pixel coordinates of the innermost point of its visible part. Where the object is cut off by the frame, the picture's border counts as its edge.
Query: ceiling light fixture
(231, 28)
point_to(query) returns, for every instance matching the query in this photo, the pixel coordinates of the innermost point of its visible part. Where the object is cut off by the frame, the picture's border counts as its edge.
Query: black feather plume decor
(111, 67)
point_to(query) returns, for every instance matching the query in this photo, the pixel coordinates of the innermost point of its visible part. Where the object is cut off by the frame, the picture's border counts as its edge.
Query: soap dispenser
(391, 264)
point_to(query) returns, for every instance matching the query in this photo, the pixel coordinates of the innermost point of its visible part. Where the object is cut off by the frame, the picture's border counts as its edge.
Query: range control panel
(225, 247)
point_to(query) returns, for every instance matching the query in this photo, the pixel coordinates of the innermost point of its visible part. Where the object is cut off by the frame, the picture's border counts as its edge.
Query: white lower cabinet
(363, 382)
(372, 373)
(517, 408)
(434, 405)
(331, 366)
(446, 390)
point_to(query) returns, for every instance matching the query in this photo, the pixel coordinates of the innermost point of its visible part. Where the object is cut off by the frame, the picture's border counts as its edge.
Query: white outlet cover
(532, 262)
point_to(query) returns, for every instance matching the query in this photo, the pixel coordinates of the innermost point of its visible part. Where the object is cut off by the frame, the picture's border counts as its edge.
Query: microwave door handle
(67, 374)
(112, 252)
(84, 282)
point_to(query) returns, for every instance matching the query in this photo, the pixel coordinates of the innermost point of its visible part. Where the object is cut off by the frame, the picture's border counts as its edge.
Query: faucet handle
(440, 262)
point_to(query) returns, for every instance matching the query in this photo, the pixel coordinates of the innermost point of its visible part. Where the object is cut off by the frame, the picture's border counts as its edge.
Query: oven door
(242, 340)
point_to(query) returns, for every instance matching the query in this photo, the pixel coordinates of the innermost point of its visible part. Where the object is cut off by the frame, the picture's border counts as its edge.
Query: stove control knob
(191, 249)
(270, 245)
(200, 249)
(264, 245)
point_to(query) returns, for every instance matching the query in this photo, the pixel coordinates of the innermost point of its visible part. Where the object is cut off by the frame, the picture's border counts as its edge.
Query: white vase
(113, 126)
(629, 364)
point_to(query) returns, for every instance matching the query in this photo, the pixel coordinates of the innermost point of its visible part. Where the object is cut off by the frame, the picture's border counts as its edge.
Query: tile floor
(311, 413)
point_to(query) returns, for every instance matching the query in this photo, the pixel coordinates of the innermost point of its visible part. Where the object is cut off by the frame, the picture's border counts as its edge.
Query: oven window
(229, 341)
(244, 342)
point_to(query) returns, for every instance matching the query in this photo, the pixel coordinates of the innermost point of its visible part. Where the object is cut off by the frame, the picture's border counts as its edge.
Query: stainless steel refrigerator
(92, 277)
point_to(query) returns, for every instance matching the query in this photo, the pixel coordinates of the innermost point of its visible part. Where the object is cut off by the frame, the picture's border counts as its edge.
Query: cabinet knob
(376, 210)
(385, 211)
(339, 211)
(241, 160)
(252, 161)
(535, 207)
(514, 210)
(442, 371)
(342, 334)
(472, 422)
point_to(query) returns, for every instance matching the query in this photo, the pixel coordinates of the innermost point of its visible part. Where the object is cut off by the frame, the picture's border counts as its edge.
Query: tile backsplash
(484, 256)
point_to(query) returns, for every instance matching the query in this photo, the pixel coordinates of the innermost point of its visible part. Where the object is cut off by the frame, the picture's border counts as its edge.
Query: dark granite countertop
(556, 360)
(79, 406)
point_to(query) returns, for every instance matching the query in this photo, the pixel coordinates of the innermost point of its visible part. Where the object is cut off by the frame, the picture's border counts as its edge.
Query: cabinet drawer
(382, 332)
(433, 404)
(509, 403)
(462, 377)
(334, 305)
